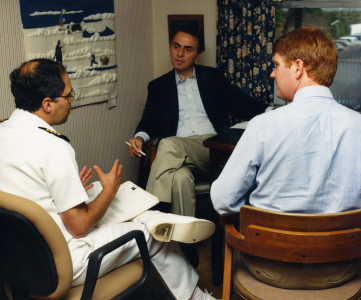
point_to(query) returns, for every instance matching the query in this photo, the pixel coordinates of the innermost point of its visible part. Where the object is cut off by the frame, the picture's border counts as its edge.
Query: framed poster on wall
(190, 21)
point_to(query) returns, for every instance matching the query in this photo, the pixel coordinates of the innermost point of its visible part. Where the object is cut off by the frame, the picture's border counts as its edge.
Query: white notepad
(129, 202)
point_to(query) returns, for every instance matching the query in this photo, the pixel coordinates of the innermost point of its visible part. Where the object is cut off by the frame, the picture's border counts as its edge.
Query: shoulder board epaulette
(56, 134)
(2, 120)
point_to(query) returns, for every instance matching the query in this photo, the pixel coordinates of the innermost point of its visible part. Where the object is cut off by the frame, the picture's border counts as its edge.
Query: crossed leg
(171, 178)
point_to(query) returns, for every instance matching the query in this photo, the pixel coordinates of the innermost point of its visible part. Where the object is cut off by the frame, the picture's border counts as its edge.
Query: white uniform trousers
(171, 178)
(179, 276)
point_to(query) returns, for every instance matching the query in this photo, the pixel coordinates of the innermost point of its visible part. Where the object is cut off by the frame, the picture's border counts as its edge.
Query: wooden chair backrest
(299, 222)
(299, 238)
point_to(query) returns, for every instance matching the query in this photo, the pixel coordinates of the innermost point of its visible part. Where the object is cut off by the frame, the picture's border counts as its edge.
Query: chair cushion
(112, 284)
(250, 288)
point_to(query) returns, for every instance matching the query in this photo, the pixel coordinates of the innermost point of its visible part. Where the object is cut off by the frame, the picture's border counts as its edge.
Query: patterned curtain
(245, 36)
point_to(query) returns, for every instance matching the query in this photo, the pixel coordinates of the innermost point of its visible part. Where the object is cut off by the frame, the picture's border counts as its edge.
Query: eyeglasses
(70, 95)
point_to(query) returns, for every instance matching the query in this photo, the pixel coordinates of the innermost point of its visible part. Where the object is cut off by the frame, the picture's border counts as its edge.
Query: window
(339, 20)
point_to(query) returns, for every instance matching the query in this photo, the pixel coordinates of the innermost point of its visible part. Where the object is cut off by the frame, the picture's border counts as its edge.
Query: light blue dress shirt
(304, 157)
(193, 119)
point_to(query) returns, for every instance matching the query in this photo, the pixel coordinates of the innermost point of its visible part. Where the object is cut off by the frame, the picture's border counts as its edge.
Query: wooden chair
(291, 237)
(35, 261)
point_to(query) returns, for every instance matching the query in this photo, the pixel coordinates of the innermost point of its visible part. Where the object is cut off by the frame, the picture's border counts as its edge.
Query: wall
(97, 134)
(163, 8)
(12, 51)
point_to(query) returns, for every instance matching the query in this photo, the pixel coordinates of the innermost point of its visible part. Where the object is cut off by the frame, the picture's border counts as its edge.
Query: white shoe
(167, 227)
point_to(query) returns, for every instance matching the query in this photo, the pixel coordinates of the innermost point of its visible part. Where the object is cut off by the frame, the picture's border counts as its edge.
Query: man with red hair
(302, 158)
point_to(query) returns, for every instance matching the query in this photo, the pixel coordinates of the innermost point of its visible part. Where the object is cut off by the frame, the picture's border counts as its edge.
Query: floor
(154, 289)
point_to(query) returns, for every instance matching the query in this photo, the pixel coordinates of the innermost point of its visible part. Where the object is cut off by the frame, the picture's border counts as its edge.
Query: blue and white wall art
(80, 34)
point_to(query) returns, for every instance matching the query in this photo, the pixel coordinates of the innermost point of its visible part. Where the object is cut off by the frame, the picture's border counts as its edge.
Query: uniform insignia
(57, 134)
(2, 120)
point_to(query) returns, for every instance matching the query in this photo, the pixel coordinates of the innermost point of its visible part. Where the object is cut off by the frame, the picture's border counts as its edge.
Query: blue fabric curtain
(245, 36)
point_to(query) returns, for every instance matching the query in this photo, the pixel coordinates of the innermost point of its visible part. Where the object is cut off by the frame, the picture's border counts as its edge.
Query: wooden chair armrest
(150, 149)
(149, 146)
(233, 237)
(230, 219)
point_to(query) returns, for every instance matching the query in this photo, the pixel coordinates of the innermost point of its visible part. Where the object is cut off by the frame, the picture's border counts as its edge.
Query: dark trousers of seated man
(171, 177)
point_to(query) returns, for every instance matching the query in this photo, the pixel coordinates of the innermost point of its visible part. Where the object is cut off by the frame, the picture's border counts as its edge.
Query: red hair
(318, 53)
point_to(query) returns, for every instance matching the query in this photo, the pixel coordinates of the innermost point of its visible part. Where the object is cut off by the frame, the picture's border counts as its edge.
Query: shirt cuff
(143, 135)
(269, 108)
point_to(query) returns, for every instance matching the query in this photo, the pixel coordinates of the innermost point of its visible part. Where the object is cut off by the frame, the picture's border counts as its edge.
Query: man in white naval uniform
(39, 164)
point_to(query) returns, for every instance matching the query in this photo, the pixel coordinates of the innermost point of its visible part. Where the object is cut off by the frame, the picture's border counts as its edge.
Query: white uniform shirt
(304, 157)
(39, 166)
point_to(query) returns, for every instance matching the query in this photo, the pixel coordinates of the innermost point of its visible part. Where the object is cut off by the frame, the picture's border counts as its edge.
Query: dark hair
(35, 80)
(191, 31)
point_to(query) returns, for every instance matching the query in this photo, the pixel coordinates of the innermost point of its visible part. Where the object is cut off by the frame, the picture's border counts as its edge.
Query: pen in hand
(141, 152)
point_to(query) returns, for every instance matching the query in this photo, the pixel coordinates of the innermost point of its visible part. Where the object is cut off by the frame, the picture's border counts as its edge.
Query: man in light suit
(185, 107)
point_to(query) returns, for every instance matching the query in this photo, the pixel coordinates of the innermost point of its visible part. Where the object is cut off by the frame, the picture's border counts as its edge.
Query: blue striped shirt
(193, 119)
(304, 157)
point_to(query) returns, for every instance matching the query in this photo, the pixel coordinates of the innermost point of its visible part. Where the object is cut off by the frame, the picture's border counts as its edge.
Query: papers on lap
(129, 202)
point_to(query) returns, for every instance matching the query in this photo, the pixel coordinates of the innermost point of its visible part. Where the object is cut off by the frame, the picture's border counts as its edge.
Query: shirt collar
(313, 91)
(23, 116)
(179, 80)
